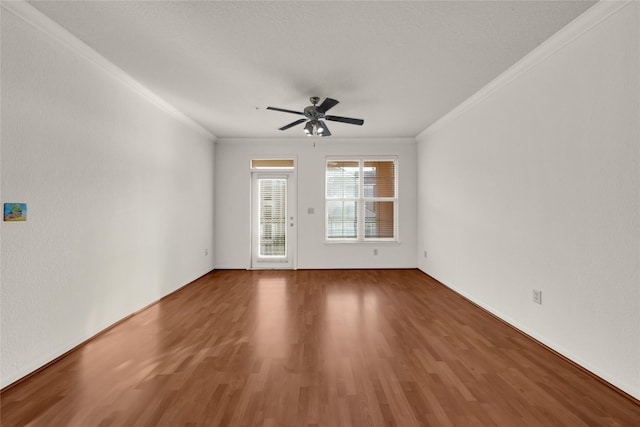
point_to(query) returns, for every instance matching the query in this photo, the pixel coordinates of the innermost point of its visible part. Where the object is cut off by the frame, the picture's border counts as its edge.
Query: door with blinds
(273, 223)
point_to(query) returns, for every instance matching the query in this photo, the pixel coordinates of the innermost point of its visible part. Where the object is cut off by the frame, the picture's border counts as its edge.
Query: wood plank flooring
(309, 349)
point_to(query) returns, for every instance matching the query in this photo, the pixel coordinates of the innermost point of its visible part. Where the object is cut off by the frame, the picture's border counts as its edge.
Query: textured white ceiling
(398, 65)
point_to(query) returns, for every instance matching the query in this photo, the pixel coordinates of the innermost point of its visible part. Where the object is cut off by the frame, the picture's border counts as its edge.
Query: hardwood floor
(314, 348)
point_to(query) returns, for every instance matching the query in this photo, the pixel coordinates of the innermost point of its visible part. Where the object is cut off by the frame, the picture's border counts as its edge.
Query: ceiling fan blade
(325, 129)
(349, 120)
(285, 111)
(326, 105)
(292, 124)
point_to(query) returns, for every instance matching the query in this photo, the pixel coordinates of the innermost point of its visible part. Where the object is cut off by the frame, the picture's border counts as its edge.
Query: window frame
(361, 201)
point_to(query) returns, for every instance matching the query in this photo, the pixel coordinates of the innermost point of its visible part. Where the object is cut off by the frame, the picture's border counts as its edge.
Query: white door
(273, 224)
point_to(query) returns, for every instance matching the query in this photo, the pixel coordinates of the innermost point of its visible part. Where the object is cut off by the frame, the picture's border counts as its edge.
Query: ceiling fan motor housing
(312, 113)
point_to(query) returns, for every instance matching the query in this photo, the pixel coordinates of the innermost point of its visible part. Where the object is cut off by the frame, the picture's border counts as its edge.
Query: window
(272, 164)
(361, 200)
(273, 217)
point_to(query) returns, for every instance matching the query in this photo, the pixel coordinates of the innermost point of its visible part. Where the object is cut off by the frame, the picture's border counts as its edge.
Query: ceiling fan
(314, 115)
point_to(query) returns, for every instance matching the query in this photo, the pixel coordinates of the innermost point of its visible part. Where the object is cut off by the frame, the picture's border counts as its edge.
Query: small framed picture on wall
(15, 211)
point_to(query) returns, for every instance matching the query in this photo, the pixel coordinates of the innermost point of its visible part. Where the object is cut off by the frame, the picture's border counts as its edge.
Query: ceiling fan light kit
(308, 128)
(315, 126)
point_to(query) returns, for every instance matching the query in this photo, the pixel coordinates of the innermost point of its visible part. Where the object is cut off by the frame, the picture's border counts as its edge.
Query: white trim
(326, 141)
(574, 30)
(40, 21)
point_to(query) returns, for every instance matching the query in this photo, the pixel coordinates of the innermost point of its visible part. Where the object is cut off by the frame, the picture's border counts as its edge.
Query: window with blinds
(273, 217)
(361, 200)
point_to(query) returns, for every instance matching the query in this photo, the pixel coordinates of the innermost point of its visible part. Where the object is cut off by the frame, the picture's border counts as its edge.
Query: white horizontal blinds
(379, 220)
(380, 178)
(343, 192)
(379, 198)
(343, 179)
(342, 219)
(273, 216)
(361, 199)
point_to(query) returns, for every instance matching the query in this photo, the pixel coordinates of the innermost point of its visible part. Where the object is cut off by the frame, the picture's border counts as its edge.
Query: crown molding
(314, 139)
(592, 17)
(40, 21)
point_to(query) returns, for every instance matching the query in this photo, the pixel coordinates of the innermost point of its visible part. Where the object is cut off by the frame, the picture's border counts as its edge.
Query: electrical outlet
(206, 252)
(375, 251)
(537, 296)
(425, 254)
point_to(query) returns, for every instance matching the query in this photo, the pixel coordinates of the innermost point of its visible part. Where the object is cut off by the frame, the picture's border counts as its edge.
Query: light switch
(310, 211)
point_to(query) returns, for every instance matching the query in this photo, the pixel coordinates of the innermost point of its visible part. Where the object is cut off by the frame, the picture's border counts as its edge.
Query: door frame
(290, 263)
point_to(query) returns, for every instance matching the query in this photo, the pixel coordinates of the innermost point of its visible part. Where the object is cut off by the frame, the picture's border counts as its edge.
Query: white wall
(535, 184)
(119, 193)
(233, 202)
